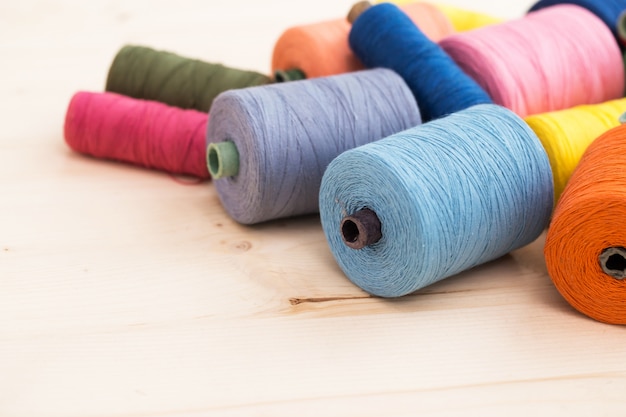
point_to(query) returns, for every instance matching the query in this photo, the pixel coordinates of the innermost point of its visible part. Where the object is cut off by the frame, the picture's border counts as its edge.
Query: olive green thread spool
(146, 73)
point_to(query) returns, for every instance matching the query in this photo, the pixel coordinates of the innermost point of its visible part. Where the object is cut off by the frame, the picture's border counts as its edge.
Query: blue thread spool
(384, 36)
(269, 146)
(432, 201)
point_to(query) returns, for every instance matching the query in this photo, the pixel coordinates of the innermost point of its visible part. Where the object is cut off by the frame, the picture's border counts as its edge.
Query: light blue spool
(450, 194)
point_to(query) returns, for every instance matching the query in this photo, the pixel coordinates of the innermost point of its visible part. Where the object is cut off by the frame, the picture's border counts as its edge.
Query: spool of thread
(321, 49)
(566, 134)
(462, 19)
(429, 202)
(383, 36)
(552, 59)
(607, 10)
(585, 245)
(141, 132)
(149, 74)
(268, 146)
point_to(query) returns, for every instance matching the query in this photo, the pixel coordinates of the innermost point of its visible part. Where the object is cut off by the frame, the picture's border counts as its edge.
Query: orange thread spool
(430, 19)
(322, 49)
(585, 249)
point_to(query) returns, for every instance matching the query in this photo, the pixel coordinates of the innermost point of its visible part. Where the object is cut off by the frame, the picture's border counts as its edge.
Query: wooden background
(125, 293)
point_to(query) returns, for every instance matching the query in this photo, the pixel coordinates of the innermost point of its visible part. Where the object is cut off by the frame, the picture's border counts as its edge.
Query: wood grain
(125, 293)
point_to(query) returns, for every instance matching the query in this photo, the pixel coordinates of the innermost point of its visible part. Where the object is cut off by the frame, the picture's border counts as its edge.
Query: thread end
(222, 159)
(357, 9)
(361, 229)
(613, 262)
(294, 74)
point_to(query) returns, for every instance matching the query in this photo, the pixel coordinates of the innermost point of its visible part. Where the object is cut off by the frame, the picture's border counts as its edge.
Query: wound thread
(533, 64)
(146, 73)
(606, 10)
(584, 249)
(449, 195)
(141, 132)
(322, 49)
(287, 134)
(383, 36)
(462, 19)
(566, 134)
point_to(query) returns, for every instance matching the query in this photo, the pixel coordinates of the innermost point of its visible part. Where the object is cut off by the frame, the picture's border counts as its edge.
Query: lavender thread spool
(268, 146)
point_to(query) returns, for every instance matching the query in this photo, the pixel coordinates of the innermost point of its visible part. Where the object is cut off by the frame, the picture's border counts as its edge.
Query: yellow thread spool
(462, 20)
(566, 134)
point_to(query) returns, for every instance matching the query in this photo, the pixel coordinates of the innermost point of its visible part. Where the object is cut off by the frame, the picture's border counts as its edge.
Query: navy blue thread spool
(384, 36)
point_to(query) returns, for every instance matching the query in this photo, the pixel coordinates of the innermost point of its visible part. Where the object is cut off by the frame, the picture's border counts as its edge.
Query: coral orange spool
(585, 249)
(321, 49)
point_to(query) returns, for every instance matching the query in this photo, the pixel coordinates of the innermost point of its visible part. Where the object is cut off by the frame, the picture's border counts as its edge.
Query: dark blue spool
(384, 36)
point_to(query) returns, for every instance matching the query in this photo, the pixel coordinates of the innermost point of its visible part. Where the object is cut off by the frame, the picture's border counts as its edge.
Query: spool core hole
(294, 74)
(613, 262)
(350, 231)
(616, 263)
(361, 229)
(214, 161)
(222, 159)
(279, 77)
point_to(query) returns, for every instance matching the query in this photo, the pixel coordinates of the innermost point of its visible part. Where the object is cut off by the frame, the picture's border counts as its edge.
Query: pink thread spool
(552, 59)
(141, 132)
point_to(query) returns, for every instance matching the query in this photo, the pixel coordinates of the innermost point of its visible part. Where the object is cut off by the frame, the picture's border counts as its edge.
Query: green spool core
(622, 118)
(621, 26)
(281, 76)
(222, 159)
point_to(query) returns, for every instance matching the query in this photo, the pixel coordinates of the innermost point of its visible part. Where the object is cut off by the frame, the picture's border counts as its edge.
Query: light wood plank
(125, 293)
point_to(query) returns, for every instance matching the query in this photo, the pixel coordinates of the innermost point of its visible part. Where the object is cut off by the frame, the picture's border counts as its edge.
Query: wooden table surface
(125, 293)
